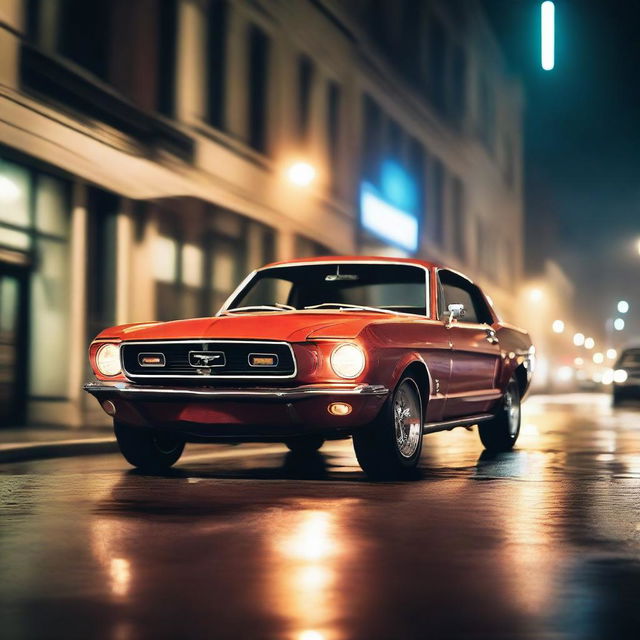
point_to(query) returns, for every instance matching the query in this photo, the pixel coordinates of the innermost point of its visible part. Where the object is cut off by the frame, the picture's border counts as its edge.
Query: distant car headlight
(108, 360)
(620, 376)
(347, 360)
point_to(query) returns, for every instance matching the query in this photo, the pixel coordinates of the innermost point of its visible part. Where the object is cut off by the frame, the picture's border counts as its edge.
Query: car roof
(356, 259)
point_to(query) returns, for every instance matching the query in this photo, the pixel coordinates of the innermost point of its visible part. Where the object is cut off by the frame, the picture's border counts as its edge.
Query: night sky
(582, 154)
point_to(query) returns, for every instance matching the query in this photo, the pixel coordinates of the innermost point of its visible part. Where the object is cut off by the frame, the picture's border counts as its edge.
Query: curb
(61, 449)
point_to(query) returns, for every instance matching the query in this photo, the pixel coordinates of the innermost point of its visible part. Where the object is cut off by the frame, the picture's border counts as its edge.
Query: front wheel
(501, 432)
(391, 446)
(147, 450)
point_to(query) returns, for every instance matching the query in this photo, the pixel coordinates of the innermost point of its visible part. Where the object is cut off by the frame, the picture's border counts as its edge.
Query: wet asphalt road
(252, 542)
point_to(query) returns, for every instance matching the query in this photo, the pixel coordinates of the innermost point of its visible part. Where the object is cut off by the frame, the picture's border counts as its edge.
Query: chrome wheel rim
(512, 409)
(406, 413)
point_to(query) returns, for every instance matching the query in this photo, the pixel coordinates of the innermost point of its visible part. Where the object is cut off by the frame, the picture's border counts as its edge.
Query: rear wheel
(147, 450)
(304, 444)
(391, 446)
(501, 433)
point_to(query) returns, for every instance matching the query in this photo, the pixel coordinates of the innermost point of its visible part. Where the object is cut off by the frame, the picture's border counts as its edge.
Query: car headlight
(620, 376)
(108, 360)
(347, 360)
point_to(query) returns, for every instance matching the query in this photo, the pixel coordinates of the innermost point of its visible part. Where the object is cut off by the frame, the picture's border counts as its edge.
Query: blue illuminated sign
(391, 212)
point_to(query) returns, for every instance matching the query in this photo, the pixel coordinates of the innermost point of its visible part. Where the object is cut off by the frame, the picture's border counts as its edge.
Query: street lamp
(301, 174)
(557, 326)
(598, 358)
(547, 35)
(535, 295)
(612, 354)
(618, 324)
(578, 339)
(623, 306)
(589, 343)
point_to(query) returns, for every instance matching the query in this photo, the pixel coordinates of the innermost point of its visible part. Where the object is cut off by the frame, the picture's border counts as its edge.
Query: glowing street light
(547, 35)
(557, 326)
(589, 343)
(618, 324)
(301, 174)
(612, 354)
(578, 339)
(535, 295)
(598, 358)
(623, 306)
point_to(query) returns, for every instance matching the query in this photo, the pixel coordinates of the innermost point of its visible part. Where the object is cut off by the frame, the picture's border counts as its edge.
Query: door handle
(491, 336)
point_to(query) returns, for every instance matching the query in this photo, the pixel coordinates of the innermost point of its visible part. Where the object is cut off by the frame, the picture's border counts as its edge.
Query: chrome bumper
(130, 391)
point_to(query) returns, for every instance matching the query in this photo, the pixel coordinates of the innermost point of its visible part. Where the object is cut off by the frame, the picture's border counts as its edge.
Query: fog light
(339, 409)
(109, 408)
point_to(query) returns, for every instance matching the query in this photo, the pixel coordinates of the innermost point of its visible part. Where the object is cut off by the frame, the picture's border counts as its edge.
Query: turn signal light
(263, 360)
(339, 409)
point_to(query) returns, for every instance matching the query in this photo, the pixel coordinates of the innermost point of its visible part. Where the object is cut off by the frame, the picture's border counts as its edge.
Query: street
(254, 542)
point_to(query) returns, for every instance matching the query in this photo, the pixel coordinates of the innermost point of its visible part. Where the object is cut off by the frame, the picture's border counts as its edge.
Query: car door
(475, 349)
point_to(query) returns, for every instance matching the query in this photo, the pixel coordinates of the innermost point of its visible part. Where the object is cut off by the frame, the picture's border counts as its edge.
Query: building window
(102, 209)
(307, 248)
(130, 45)
(166, 56)
(437, 201)
(34, 220)
(508, 161)
(217, 25)
(305, 86)
(458, 84)
(372, 135)
(258, 94)
(417, 164)
(458, 218)
(436, 69)
(487, 112)
(333, 132)
(395, 139)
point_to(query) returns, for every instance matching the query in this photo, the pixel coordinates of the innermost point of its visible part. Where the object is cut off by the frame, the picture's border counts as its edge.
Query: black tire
(501, 433)
(304, 444)
(148, 450)
(390, 447)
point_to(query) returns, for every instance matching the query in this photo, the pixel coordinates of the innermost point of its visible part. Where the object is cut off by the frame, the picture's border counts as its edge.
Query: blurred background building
(154, 151)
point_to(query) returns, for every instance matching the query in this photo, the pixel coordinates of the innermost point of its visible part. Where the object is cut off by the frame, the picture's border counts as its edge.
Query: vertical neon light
(547, 40)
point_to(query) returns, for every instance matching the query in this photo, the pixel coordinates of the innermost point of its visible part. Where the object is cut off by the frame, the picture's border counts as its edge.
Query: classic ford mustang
(382, 350)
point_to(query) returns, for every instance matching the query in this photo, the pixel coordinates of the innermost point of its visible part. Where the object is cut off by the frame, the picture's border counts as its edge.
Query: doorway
(13, 352)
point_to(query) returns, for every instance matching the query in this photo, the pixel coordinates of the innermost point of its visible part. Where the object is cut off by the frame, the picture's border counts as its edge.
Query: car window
(457, 295)
(630, 359)
(455, 289)
(399, 288)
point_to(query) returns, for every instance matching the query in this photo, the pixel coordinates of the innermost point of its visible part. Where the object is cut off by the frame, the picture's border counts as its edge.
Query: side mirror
(455, 312)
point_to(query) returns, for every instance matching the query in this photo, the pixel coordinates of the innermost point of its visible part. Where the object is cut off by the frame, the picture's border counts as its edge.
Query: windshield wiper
(261, 307)
(350, 307)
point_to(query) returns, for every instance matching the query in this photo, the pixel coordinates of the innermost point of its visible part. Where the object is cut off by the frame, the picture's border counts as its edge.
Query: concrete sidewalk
(30, 443)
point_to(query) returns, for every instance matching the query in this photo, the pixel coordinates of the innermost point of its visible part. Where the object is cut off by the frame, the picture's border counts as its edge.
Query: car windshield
(348, 286)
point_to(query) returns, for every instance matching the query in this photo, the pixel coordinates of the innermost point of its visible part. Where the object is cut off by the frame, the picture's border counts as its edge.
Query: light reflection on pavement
(253, 542)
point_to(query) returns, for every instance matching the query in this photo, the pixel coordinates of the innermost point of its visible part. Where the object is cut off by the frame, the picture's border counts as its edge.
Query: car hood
(292, 326)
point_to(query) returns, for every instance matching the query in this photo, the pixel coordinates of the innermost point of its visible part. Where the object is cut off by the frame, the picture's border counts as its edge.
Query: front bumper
(240, 414)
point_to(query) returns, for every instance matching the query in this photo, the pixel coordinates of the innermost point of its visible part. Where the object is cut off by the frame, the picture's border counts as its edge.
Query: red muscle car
(382, 350)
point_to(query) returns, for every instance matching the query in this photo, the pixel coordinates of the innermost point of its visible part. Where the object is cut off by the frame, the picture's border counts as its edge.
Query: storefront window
(49, 340)
(34, 219)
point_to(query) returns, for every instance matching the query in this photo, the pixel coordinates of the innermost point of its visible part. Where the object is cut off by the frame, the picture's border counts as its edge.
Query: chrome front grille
(205, 359)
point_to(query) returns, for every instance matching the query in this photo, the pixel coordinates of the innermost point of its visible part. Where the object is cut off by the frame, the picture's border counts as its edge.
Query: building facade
(144, 149)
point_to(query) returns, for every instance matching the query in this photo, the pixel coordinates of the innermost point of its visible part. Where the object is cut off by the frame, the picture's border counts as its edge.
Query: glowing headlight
(347, 361)
(620, 375)
(108, 360)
